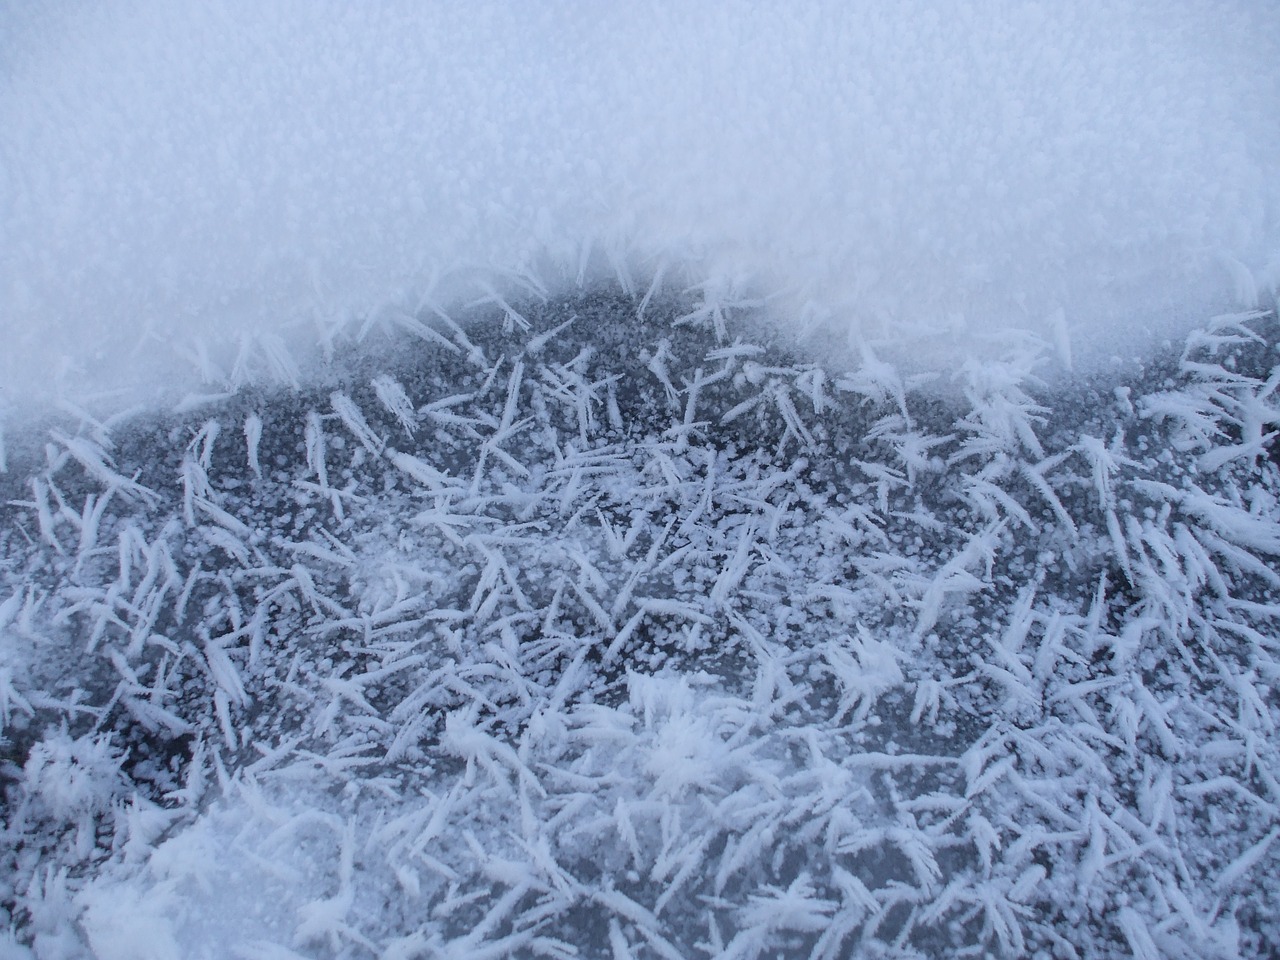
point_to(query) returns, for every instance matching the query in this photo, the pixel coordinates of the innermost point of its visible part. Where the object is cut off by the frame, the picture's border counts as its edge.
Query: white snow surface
(179, 178)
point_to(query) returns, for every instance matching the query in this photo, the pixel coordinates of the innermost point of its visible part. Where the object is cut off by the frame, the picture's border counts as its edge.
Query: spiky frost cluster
(580, 633)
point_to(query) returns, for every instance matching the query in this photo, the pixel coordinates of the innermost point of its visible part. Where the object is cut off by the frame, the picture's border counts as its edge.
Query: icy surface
(591, 634)
(489, 479)
(182, 172)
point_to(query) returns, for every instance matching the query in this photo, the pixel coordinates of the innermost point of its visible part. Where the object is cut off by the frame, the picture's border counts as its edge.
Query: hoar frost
(604, 625)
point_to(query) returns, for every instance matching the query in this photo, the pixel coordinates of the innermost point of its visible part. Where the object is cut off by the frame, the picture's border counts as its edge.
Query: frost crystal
(603, 635)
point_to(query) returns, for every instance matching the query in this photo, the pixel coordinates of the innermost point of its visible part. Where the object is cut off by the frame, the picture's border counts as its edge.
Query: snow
(731, 481)
(192, 184)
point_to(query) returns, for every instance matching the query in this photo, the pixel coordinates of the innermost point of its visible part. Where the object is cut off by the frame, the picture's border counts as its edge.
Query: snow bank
(176, 177)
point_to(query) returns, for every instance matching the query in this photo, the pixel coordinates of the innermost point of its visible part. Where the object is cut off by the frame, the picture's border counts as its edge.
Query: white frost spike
(194, 782)
(513, 400)
(1242, 864)
(1105, 461)
(736, 568)
(813, 383)
(865, 669)
(224, 673)
(655, 287)
(1219, 456)
(877, 381)
(618, 942)
(252, 437)
(912, 447)
(97, 464)
(420, 470)
(350, 414)
(796, 908)
(10, 699)
(279, 361)
(657, 365)
(536, 345)
(1139, 936)
(644, 921)
(739, 409)
(44, 515)
(464, 738)
(424, 331)
(392, 396)
(1035, 476)
(691, 401)
(956, 576)
(204, 440)
(511, 318)
(75, 777)
(195, 486)
(222, 709)
(612, 409)
(9, 609)
(314, 436)
(718, 298)
(791, 417)
(1004, 417)
(1238, 526)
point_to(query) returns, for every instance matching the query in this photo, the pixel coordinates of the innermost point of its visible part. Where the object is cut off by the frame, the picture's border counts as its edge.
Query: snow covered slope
(180, 171)
(622, 636)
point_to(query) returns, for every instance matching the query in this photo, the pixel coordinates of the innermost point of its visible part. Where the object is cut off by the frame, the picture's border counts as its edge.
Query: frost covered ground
(639, 479)
(609, 625)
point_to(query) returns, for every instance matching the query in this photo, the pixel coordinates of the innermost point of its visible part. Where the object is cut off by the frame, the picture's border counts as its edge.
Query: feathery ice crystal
(589, 630)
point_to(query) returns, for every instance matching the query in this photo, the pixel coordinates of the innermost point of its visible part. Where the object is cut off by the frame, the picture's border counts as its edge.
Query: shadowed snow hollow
(173, 173)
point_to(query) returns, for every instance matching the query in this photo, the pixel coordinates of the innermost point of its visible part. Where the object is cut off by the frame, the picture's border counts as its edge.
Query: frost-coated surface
(592, 634)
(601, 480)
(174, 171)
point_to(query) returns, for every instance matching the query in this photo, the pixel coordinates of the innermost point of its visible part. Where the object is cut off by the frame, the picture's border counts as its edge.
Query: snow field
(587, 627)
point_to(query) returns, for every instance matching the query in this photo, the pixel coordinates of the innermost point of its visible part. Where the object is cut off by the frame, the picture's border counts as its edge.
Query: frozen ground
(578, 631)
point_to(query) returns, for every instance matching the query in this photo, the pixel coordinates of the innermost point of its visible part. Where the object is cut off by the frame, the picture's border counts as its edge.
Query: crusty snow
(534, 480)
